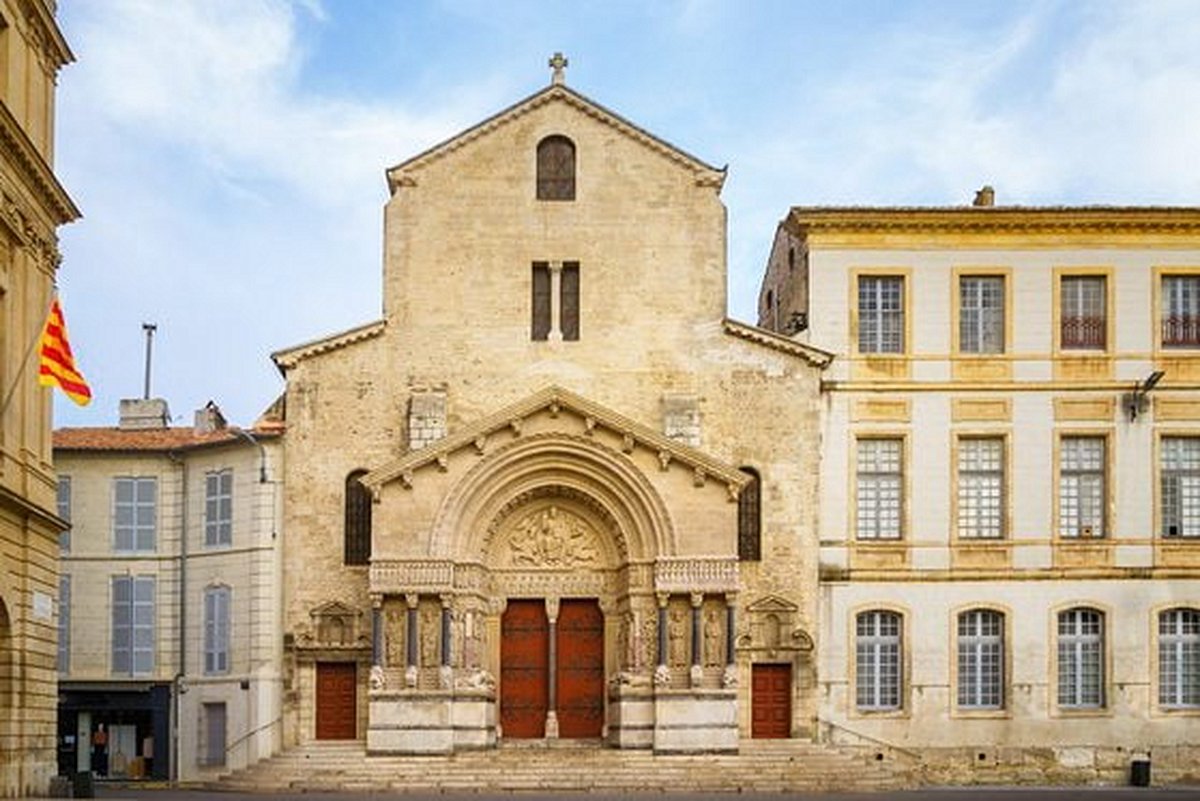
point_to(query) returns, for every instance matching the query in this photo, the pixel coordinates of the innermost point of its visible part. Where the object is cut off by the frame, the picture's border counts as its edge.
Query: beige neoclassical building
(553, 492)
(1010, 482)
(32, 206)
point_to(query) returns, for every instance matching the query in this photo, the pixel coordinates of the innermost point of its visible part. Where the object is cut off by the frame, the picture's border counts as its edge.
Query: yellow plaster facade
(32, 206)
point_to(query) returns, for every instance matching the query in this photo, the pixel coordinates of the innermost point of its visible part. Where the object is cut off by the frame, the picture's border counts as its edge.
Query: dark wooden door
(524, 656)
(580, 681)
(771, 701)
(336, 702)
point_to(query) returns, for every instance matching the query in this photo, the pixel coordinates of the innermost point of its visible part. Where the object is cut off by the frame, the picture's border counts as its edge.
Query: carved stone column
(555, 334)
(696, 674)
(376, 631)
(662, 673)
(377, 679)
(446, 671)
(410, 669)
(552, 670)
(730, 677)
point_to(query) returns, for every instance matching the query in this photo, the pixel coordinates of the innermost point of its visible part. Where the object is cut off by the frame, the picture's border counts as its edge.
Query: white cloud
(219, 78)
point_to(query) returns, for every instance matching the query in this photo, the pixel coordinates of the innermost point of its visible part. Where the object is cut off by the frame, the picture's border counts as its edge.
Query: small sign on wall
(43, 606)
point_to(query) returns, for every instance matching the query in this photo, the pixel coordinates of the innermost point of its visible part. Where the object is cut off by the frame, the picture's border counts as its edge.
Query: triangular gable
(558, 400)
(772, 603)
(334, 609)
(761, 336)
(290, 357)
(402, 173)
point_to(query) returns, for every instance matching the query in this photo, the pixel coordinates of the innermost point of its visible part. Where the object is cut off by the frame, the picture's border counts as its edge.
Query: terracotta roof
(150, 439)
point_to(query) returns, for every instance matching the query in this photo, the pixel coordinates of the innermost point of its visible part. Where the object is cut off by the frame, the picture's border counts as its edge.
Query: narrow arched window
(556, 168)
(878, 672)
(750, 518)
(358, 520)
(1081, 659)
(980, 659)
(1179, 659)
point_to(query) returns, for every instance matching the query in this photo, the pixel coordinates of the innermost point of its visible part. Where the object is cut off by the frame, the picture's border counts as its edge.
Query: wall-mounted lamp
(1136, 402)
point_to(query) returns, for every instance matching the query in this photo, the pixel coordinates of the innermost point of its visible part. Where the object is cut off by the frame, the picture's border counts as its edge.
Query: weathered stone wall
(461, 234)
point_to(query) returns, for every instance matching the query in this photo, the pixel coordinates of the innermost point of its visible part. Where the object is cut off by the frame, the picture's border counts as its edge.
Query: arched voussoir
(604, 482)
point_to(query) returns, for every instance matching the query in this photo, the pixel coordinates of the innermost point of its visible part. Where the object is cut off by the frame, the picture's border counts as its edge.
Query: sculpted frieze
(691, 574)
(394, 576)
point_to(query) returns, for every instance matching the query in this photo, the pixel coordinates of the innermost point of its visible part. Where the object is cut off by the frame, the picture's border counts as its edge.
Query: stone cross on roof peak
(558, 63)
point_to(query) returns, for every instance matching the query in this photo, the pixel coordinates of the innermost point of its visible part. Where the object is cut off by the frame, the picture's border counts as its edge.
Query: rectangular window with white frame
(878, 673)
(981, 660)
(63, 508)
(1081, 659)
(880, 314)
(1180, 324)
(133, 629)
(1082, 494)
(1084, 312)
(1179, 659)
(218, 508)
(135, 513)
(216, 630)
(981, 487)
(879, 488)
(981, 314)
(64, 624)
(1179, 479)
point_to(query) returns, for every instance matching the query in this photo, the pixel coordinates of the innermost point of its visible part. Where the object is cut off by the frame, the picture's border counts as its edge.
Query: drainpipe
(181, 672)
(262, 451)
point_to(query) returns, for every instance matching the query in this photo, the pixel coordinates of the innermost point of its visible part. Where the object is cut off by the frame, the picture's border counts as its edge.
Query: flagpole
(37, 337)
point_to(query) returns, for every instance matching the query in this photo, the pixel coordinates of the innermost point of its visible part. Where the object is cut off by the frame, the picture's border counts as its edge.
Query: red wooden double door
(578, 671)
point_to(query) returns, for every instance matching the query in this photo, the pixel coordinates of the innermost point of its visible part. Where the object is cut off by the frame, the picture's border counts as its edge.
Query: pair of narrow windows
(555, 308)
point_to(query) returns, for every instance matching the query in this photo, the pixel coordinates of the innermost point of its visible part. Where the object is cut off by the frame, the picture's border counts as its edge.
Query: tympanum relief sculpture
(551, 537)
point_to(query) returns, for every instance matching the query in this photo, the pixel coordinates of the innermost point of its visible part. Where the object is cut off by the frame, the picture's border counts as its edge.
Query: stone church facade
(554, 492)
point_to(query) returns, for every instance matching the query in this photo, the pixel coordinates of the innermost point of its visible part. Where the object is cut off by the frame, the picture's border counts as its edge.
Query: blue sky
(228, 155)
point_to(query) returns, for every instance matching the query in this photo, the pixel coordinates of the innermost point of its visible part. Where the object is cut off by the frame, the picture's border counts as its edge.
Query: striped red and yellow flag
(57, 363)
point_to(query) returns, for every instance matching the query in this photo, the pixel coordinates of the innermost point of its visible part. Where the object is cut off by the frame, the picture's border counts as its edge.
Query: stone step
(760, 766)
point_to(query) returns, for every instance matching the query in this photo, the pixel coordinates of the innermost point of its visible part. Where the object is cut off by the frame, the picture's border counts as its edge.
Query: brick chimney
(143, 413)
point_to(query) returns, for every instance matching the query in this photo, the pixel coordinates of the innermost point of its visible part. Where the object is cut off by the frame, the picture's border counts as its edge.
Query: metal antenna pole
(149, 328)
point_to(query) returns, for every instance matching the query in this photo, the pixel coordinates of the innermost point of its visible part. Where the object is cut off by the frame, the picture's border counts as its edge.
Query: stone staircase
(761, 766)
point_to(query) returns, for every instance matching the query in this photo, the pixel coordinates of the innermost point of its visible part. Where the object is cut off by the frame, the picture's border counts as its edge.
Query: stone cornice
(1016, 220)
(403, 174)
(761, 336)
(47, 38)
(557, 400)
(32, 170)
(290, 357)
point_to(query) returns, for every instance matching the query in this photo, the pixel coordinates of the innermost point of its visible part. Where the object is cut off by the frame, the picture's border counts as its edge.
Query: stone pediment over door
(560, 463)
(333, 625)
(773, 625)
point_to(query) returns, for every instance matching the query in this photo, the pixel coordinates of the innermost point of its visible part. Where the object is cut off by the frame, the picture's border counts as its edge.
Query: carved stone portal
(552, 537)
